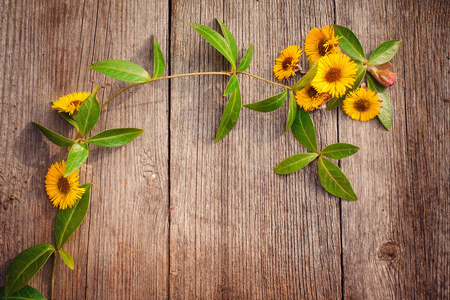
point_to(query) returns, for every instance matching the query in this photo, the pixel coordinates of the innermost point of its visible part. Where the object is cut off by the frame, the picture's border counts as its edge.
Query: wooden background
(174, 215)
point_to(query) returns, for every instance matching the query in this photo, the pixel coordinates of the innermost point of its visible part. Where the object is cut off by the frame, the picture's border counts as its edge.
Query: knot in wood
(389, 251)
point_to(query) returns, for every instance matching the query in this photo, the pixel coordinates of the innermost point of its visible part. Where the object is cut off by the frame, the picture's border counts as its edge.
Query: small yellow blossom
(335, 74)
(286, 62)
(62, 191)
(309, 98)
(321, 42)
(70, 103)
(362, 104)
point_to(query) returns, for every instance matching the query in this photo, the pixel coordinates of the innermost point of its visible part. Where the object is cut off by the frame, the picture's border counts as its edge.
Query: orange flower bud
(384, 77)
(385, 65)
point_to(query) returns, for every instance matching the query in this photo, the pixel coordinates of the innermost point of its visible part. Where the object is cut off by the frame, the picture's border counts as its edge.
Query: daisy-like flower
(335, 74)
(309, 98)
(286, 63)
(62, 191)
(70, 103)
(320, 42)
(362, 104)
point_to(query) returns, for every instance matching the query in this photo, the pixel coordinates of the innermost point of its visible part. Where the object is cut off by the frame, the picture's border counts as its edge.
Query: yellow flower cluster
(335, 75)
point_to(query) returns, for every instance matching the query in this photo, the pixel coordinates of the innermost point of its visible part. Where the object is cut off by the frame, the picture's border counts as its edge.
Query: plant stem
(265, 80)
(53, 275)
(226, 73)
(120, 91)
(163, 78)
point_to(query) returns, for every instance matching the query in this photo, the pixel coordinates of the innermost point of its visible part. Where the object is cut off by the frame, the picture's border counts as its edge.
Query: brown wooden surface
(174, 215)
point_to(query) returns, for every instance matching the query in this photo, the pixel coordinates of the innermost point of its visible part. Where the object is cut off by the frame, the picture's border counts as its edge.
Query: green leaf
(89, 113)
(350, 43)
(306, 78)
(246, 59)
(292, 112)
(385, 52)
(294, 163)
(334, 181)
(77, 156)
(121, 70)
(25, 293)
(68, 220)
(216, 40)
(230, 40)
(339, 150)
(232, 85)
(230, 115)
(304, 131)
(115, 137)
(67, 258)
(69, 119)
(360, 73)
(25, 266)
(385, 115)
(54, 137)
(335, 102)
(159, 64)
(269, 104)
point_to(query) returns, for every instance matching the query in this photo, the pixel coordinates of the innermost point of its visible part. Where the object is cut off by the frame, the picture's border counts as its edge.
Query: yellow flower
(286, 62)
(309, 98)
(62, 191)
(320, 42)
(335, 74)
(70, 103)
(362, 104)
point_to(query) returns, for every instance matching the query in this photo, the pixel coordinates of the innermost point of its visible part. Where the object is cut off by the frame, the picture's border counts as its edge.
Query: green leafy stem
(225, 73)
(26, 264)
(331, 176)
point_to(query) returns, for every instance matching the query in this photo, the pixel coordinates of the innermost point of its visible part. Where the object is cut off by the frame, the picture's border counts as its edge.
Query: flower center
(287, 63)
(334, 74)
(76, 103)
(362, 105)
(63, 185)
(312, 93)
(323, 50)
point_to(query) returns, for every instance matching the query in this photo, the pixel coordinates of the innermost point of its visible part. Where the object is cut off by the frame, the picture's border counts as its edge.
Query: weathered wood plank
(121, 249)
(396, 237)
(237, 229)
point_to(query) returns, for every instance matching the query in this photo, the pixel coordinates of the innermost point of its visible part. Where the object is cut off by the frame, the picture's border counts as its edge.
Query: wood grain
(47, 48)
(396, 238)
(174, 215)
(237, 229)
